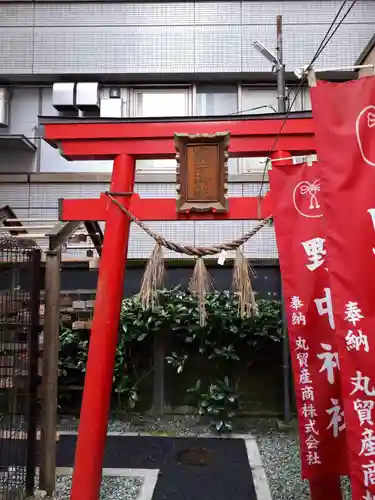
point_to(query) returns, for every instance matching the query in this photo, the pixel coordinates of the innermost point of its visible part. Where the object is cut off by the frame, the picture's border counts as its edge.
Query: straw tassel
(241, 284)
(200, 284)
(152, 279)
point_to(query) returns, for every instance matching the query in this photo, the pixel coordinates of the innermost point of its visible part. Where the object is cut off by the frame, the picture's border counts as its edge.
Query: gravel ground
(280, 454)
(279, 449)
(113, 488)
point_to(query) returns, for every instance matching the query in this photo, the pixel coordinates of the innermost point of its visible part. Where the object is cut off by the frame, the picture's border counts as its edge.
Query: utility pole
(280, 67)
(277, 62)
(282, 107)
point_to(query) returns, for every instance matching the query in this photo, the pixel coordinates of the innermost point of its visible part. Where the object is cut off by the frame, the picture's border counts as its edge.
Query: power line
(323, 44)
(327, 40)
(253, 109)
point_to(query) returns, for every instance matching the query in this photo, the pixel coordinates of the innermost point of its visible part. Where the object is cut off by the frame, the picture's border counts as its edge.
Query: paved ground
(279, 449)
(226, 475)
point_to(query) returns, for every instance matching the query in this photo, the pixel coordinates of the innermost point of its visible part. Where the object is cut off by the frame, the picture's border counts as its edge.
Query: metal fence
(19, 352)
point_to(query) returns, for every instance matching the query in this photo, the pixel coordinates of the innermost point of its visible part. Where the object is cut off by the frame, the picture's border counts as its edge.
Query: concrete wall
(54, 38)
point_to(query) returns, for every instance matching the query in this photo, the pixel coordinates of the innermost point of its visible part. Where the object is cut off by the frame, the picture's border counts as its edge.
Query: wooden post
(51, 341)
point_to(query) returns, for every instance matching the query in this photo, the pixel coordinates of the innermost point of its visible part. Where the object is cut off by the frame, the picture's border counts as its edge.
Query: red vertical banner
(344, 116)
(300, 238)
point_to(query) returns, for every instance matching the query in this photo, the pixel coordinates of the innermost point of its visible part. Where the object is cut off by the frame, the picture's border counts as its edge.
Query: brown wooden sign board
(202, 172)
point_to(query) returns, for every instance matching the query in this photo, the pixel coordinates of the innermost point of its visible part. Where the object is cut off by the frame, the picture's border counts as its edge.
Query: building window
(258, 101)
(161, 102)
(306, 101)
(216, 100)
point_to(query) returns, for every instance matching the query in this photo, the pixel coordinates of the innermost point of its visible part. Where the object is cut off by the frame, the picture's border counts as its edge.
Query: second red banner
(300, 235)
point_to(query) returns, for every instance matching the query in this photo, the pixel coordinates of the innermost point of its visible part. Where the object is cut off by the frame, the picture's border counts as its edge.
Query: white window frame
(159, 166)
(244, 166)
(254, 88)
(305, 96)
(134, 92)
(294, 87)
(195, 108)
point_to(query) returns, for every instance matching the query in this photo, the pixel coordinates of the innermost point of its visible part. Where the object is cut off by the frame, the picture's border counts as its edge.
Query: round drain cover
(195, 456)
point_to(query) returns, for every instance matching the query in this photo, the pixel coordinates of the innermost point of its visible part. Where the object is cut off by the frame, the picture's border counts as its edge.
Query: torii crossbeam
(124, 141)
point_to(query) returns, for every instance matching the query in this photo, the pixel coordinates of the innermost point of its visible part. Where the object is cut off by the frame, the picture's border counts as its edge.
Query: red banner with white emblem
(344, 116)
(300, 236)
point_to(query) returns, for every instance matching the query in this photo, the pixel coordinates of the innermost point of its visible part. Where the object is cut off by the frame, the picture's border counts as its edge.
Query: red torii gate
(124, 141)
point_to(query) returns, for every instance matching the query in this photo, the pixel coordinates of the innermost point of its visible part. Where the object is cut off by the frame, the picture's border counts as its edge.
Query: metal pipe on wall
(29, 219)
(25, 228)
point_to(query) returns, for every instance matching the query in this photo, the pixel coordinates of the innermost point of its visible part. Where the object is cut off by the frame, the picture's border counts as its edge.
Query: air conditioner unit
(63, 96)
(251, 165)
(87, 96)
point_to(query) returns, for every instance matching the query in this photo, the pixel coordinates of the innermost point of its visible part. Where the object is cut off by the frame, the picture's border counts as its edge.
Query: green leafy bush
(222, 345)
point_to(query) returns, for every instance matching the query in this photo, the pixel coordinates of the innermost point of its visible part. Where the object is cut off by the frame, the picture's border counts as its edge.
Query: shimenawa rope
(200, 283)
(187, 249)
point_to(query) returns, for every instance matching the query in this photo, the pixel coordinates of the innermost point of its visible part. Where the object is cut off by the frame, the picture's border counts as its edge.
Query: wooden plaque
(202, 172)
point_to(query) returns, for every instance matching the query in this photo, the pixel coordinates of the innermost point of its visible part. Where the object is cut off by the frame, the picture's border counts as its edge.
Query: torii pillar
(97, 392)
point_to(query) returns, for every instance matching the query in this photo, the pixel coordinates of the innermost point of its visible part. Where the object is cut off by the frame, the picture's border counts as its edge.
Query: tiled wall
(173, 37)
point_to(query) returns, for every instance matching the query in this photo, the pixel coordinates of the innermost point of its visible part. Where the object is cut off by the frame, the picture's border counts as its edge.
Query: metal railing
(19, 352)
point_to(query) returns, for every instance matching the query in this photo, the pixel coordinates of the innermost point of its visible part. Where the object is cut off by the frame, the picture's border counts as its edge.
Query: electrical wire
(328, 39)
(253, 109)
(323, 44)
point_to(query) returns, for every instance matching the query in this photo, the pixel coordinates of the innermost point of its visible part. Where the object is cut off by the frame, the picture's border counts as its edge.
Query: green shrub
(221, 344)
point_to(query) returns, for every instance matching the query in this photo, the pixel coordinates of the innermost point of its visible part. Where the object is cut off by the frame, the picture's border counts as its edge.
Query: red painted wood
(159, 130)
(151, 209)
(103, 340)
(251, 146)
